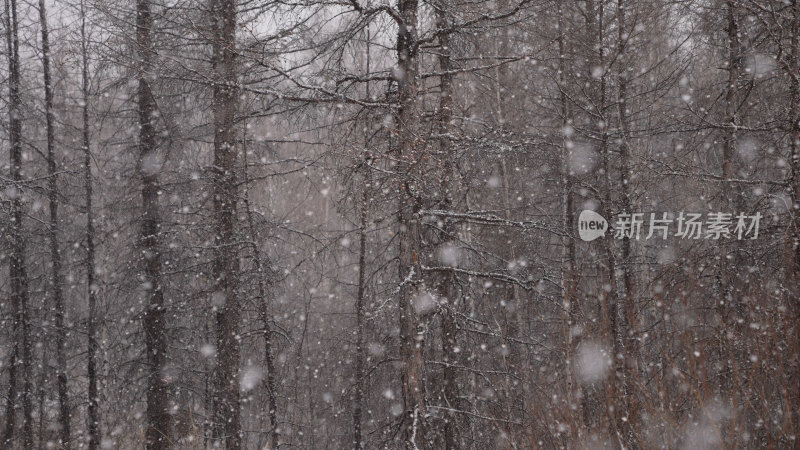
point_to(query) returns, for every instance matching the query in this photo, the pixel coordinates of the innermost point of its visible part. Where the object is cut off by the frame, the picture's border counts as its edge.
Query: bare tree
(55, 253)
(227, 420)
(158, 417)
(354, 224)
(410, 154)
(94, 419)
(22, 352)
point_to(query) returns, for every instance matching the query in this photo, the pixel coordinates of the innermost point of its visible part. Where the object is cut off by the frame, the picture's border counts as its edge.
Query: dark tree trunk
(793, 263)
(18, 275)
(55, 253)
(358, 403)
(410, 148)
(226, 260)
(731, 94)
(629, 319)
(262, 272)
(11, 397)
(569, 274)
(89, 265)
(612, 328)
(447, 283)
(158, 417)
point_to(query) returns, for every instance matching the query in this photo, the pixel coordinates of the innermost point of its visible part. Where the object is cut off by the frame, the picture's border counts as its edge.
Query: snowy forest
(400, 224)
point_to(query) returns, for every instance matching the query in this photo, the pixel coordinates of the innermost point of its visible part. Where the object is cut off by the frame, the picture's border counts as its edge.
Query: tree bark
(55, 253)
(158, 417)
(447, 283)
(226, 260)
(409, 148)
(793, 263)
(569, 275)
(94, 426)
(262, 272)
(22, 351)
(628, 333)
(615, 408)
(360, 298)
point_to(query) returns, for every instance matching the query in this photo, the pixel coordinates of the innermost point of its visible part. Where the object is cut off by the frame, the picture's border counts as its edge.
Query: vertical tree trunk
(728, 304)
(358, 401)
(734, 66)
(569, 276)
(22, 351)
(731, 106)
(269, 359)
(55, 253)
(609, 293)
(629, 320)
(521, 362)
(360, 297)
(226, 261)
(11, 396)
(409, 147)
(447, 283)
(793, 263)
(262, 271)
(158, 417)
(89, 265)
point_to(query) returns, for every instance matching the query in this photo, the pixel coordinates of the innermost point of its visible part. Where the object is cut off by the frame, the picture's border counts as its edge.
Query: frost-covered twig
(476, 415)
(487, 218)
(527, 285)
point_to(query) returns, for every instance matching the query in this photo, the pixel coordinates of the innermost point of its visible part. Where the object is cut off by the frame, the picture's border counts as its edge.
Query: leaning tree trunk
(21, 352)
(158, 417)
(91, 287)
(55, 254)
(227, 420)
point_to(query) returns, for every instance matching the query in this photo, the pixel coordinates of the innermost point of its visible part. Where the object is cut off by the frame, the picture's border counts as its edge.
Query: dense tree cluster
(355, 224)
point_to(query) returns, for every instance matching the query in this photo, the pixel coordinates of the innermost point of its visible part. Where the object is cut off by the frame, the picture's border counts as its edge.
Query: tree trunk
(628, 333)
(262, 271)
(793, 263)
(158, 417)
(11, 397)
(358, 401)
(612, 329)
(18, 274)
(226, 260)
(728, 303)
(569, 276)
(409, 147)
(731, 106)
(89, 265)
(519, 361)
(360, 297)
(447, 283)
(55, 253)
